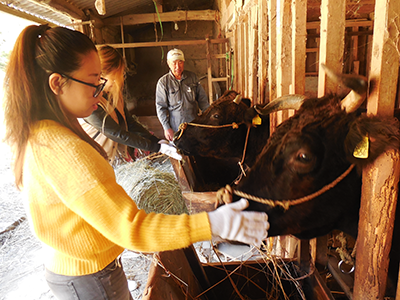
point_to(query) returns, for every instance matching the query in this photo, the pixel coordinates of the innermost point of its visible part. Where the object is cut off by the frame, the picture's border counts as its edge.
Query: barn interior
(264, 49)
(225, 42)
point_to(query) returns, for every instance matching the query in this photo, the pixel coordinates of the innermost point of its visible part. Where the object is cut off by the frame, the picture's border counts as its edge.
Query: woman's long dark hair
(38, 52)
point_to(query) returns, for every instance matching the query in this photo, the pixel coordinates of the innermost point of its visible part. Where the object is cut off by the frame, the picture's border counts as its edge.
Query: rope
(244, 150)
(157, 260)
(347, 257)
(222, 194)
(234, 125)
(183, 126)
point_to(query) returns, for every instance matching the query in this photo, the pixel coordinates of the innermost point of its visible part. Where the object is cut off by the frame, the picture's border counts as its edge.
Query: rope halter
(224, 195)
(182, 127)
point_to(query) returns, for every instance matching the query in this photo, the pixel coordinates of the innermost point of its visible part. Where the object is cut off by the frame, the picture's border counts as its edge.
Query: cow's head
(215, 141)
(311, 150)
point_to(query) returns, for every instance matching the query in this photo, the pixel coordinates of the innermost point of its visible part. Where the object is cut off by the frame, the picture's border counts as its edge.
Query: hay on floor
(151, 183)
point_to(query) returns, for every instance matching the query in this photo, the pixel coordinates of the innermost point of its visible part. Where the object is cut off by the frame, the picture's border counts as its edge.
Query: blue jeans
(107, 284)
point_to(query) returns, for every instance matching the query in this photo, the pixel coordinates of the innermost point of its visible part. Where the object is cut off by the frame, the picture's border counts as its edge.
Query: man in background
(179, 95)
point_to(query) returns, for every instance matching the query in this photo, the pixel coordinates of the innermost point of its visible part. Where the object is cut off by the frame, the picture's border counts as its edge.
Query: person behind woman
(74, 203)
(111, 124)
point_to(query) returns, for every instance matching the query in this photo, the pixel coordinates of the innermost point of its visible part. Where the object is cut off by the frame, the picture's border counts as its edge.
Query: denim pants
(107, 284)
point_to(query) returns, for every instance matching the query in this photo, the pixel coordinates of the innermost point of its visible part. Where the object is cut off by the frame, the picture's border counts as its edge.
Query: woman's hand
(232, 223)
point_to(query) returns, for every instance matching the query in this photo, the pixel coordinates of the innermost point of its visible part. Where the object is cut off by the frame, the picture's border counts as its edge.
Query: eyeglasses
(98, 88)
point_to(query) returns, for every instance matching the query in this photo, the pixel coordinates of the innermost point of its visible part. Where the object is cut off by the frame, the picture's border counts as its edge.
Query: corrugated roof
(35, 12)
(61, 11)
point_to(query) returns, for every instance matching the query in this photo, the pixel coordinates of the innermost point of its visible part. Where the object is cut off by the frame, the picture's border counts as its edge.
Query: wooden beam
(333, 14)
(380, 180)
(175, 16)
(167, 43)
(348, 23)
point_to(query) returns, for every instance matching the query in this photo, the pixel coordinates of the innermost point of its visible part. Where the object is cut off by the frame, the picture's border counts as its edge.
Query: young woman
(111, 125)
(74, 204)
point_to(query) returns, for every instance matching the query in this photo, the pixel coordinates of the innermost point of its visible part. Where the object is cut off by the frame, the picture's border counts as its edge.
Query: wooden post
(299, 36)
(272, 59)
(209, 71)
(262, 52)
(380, 180)
(354, 56)
(122, 37)
(241, 59)
(331, 46)
(236, 35)
(244, 71)
(253, 43)
(284, 53)
(284, 69)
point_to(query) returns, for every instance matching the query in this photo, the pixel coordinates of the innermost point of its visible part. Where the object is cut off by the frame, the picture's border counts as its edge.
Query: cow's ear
(249, 115)
(246, 101)
(382, 134)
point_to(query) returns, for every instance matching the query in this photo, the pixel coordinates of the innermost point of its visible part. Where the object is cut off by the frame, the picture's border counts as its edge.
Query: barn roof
(62, 12)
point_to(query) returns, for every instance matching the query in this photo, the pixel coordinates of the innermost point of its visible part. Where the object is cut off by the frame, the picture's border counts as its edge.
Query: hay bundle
(152, 185)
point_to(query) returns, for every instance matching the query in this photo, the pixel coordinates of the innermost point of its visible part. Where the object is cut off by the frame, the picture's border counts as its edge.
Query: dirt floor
(21, 261)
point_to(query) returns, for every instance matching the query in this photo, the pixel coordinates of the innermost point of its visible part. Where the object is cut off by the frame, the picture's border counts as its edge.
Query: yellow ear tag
(256, 120)
(361, 150)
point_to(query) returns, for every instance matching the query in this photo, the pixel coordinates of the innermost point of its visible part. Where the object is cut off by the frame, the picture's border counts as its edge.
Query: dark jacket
(128, 132)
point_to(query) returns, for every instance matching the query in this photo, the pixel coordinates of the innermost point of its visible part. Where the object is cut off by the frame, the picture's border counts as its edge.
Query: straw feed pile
(151, 183)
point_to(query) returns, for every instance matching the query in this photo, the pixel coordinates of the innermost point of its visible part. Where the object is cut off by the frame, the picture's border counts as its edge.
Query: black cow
(219, 137)
(223, 142)
(311, 150)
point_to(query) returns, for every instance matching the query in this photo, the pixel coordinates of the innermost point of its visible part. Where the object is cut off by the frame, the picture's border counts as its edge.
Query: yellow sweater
(77, 208)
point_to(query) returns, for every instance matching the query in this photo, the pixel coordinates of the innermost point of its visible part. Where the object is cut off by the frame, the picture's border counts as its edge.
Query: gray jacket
(179, 101)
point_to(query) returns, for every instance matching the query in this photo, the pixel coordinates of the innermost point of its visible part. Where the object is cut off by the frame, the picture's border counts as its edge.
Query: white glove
(231, 223)
(169, 149)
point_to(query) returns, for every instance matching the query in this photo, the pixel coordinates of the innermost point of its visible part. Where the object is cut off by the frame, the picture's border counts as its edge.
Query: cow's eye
(215, 116)
(303, 161)
(303, 157)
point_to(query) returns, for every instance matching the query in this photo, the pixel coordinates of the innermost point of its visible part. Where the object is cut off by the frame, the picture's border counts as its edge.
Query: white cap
(175, 54)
